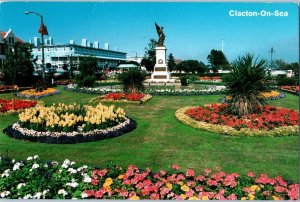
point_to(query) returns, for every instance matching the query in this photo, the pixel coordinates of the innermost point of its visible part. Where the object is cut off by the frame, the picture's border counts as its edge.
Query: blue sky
(191, 29)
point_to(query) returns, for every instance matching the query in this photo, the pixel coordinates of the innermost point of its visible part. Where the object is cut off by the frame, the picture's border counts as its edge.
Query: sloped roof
(3, 34)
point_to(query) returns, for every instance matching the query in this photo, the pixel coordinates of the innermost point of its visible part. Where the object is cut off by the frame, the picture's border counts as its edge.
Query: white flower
(2, 195)
(21, 185)
(34, 166)
(13, 161)
(45, 193)
(37, 195)
(17, 166)
(84, 195)
(5, 173)
(36, 157)
(87, 178)
(72, 184)
(66, 163)
(72, 163)
(46, 165)
(62, 192)
(72, 170)
(28, 196)
(29, 159)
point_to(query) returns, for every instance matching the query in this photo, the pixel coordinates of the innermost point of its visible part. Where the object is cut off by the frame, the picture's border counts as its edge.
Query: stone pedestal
(161, 73)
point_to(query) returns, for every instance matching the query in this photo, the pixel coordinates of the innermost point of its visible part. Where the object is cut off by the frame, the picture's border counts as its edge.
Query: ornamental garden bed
(12, 88)
(65, 124)
(272, 95)
(35, 179)
(290, 89)
(185, 92)
(32, 93)
(91, 90)
(139, 98)
(15, 106)
(272, 121)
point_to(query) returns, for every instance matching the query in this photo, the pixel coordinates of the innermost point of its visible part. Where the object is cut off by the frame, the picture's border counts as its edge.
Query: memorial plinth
(161, 73)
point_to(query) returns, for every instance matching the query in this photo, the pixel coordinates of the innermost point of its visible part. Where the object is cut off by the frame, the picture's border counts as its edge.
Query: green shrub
(87, 81)
(132, 80)
(184, 80)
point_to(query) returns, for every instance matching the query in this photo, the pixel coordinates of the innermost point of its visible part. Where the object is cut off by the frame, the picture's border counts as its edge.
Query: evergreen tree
(217, 60)
(171, 62)
(18, 68)
(149, 59)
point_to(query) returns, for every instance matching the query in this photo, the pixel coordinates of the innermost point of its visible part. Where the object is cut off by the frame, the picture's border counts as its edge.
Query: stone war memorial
(161, 73)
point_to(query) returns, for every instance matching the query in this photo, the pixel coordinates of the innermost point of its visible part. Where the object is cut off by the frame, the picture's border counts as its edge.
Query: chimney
(106, 46)
(96, 44)
(84, 42)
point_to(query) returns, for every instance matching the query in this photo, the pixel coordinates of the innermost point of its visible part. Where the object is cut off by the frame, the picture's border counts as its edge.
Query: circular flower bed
(70, 123)
(124, 97)
(272, 121)
(35, 179)
(272, 95)
(32, 93)
(15, 106)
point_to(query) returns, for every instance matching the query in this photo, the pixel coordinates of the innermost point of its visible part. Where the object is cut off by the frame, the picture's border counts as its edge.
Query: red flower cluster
(121, 96)
(293, 89)
(115, 183)
(269, 118)
(8, 105)
(210, 78)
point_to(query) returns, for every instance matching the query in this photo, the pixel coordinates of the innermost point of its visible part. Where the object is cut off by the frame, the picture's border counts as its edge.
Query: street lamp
(43, 31)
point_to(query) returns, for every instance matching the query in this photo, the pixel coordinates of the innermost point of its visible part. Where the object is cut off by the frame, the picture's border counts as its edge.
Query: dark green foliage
(217, 60)
(246, 81)
(283, 80)
(149, 59)
(132, 80)
(191, 66)
(18, 67)
(184, 80)
(171, 62)
(87, 67)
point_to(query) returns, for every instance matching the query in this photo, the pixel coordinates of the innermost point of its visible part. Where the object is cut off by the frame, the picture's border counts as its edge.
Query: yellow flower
(254, 188)
(169, 186)
(185, 188)
(108, 182)
(134, 198)
(120, 177)
(275, 198)
(244, 198)
(204, 198)
(251, 196)
(194, 198)
(180, 183)
(183, 196)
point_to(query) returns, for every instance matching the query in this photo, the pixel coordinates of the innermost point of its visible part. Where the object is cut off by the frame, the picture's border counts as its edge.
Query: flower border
(12, 112)
(145, 99)
(16, 131)
(37, 97)
(227, 130)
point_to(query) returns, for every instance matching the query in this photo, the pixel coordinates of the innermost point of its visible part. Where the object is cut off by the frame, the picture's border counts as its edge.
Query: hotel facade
(60, 54)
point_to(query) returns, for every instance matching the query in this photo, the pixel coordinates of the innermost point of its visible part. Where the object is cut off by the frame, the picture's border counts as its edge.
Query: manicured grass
(160, 141)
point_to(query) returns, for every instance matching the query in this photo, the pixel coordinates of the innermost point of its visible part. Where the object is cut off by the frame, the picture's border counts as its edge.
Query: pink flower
(191, 183)
(180, 177)
(154, 196)
(124, 193)
(162, 172)
(207, 170)
(100, 193)
(294, 192)
(90, 193)
(212, 182)
(175, 167)
(189, 193)
(280, 189)
(164, 191)
(94, 182)
(250, 174)
(232, 197)
(190, 173)
(281, 181)
(200, 178)
(198, 188)
(145, 192)
(102, 173)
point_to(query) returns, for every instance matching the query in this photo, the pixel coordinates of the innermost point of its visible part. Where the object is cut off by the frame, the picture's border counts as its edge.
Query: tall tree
(171, 62)
(18, 68)
(149, 59)
(217, 60)
(87, 67)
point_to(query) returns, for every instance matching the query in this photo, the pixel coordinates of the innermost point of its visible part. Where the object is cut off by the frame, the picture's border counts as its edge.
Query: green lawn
(160, 141)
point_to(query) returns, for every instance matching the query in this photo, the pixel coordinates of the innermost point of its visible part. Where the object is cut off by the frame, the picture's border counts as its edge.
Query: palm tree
(246, 81)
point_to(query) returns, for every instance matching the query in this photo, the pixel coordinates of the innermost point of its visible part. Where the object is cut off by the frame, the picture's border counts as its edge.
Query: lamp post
(43, 31)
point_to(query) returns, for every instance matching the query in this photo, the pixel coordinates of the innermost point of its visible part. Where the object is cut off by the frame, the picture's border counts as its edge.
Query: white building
(7, 40)
(61, 54)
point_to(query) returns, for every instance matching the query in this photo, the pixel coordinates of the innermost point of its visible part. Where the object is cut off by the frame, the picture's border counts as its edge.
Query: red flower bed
(293, 89)
(134, 183)
(121, 96)
(8, 105)
(210, 78)
(270, 117)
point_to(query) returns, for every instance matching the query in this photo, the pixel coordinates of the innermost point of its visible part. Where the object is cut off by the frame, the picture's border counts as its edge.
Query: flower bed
(62, 124)
(6, 89)
(96, 90)
(35, 179)
(210, 78)
(124, 97)
(290, 89)
(272, 95)
(15, 106)
(32, 93)
(271, 122)
(184, 92)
